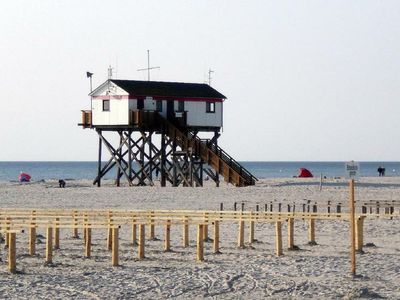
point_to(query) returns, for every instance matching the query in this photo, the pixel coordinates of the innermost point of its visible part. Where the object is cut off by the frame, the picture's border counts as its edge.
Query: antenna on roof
(209, 76)
(110, 72)
(148, 66)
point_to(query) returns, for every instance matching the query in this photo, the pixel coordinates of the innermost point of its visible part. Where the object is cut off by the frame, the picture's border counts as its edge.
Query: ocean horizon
(75, 170)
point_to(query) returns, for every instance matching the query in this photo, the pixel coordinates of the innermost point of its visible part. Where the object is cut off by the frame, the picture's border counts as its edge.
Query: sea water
(42, 170)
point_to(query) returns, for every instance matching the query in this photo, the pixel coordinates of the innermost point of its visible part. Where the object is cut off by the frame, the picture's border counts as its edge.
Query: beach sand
(318, 272)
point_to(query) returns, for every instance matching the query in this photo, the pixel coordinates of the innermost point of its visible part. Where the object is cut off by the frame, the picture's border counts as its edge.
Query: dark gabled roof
(168, 89)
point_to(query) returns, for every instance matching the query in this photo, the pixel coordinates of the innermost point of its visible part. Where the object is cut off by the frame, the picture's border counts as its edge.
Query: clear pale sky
(305, 80)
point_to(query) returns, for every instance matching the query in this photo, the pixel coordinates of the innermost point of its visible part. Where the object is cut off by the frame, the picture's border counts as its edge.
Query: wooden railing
(86, 118)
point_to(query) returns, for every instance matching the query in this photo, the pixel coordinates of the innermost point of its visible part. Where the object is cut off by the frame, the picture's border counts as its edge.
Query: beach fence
(16, 222)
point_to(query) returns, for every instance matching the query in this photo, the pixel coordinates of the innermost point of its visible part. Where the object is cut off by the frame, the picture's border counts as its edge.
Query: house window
(210, 107)
(106, 105)
(140, 103)
(159, 105)
(181, 106)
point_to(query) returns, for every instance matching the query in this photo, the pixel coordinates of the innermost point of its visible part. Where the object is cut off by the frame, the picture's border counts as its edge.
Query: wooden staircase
(210, 153)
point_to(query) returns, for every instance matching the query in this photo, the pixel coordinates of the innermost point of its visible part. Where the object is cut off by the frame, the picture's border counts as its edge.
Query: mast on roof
(148, 66)
(209, 76)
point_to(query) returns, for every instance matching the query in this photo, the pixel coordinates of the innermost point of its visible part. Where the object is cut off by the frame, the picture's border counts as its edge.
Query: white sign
(352, 169)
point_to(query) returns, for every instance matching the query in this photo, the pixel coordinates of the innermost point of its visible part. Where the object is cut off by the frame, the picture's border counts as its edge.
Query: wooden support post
(49, 245)
(7, 239)
(360, 234)
(109, 235)
(205, 227)
(32, 239)
(12, 253)
(115, 252)
(200, 242)
(98, 162)
(88, 242)
(141, 241)
(57, 234)
(75, 230)
(290, 233)
(167, 242)
(251, 229)
(185, 239)
(241, 234)
(352, 229)
(278, 238)
(311, 232)
(134, 232)
(152, 227)
(216, 237)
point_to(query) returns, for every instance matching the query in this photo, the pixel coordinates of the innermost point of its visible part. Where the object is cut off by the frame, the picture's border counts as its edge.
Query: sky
(304, 80)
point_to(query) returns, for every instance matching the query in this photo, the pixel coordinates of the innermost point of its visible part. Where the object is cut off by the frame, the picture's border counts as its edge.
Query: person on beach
(381, 171)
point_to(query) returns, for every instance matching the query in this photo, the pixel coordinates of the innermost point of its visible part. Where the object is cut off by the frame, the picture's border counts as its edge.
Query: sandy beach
(317, 272)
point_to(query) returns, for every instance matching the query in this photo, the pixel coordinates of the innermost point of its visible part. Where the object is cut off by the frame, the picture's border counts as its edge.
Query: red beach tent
(304, 173)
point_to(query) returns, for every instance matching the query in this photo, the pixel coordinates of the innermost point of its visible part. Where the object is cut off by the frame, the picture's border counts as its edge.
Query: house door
(170, 110)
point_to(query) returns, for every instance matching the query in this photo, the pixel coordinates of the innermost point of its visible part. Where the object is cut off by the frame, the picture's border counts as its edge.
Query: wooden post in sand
(88, 241)
(57, 234)
(12, 252)
(141, 241)
(360, 234)
(311, 232)
(49, 245)
(241, 234)
(352, 229)
(185, 239)
(109, 236)
(115, 247)
(216, 237)
(75, 230)
(134, 231)
(205, 227)
(251, 229)
(7, 239)
(278, 238)
(152, 229)
(167, 242)
(290, 233)
(200, 242)
(32, 239)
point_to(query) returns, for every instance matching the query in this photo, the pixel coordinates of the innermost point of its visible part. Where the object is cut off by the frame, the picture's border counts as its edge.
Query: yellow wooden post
(167, 242)
(200, 242)
(12, 253)
(290, 233)
(49, 245)
(278, 238)
(216, 237)
(352, 229)
(185, 239)
(109, 235)
(241, 234)
(32, 239)
(134, 232)
(75, 234)
(152, 235)
(311, 232)
(360, 233)
(85, 220)
(57, 234)
(141, 241)
(88, 242)
(115, 257)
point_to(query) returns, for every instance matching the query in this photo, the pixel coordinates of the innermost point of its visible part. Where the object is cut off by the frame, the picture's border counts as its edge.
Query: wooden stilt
(12, 253)
(200, 242)
(134, 232)
(99, 161)
(115, 247)
(352, 228)
(290, 233)
(185, 239)
(49, 245)
(109, 236)
(167, 242)
(241, 234)
(57, 234)
(32, 239)
(311, 232)
(360, 234)
(88, 242)
(278, 238)
(216, 237)
(141, 241)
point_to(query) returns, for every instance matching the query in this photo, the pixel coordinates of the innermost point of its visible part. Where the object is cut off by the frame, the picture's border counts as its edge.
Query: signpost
(352, 169)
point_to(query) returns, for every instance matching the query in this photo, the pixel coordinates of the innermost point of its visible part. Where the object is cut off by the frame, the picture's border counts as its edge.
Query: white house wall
(197, 115)
(117, 115)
